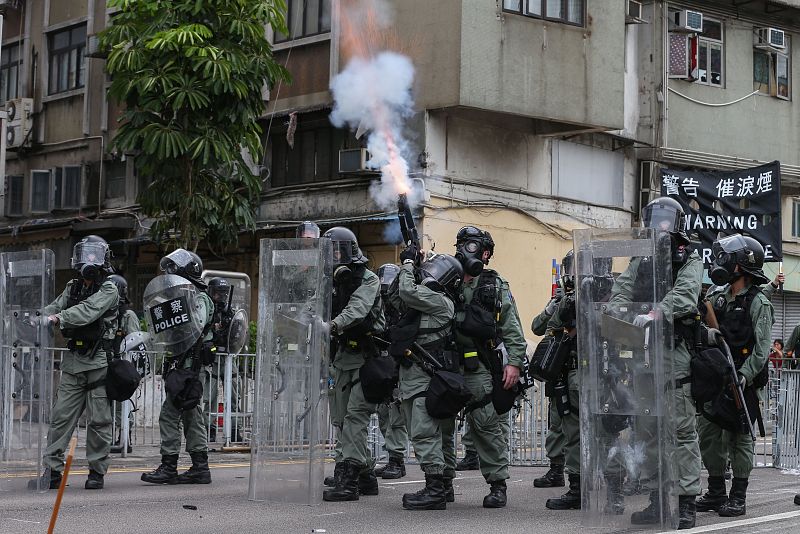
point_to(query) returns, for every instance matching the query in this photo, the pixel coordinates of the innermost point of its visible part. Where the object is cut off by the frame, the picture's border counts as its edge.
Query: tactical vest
(84, 337)
(643, 283)
(736, 325)
(482, 313)
(341, 297)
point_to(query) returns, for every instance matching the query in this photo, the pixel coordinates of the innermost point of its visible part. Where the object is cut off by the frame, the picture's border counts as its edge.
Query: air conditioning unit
(19, 121)
(633, 14)
(93, 47)
(354, 161)
(688, 21)
(771, 38)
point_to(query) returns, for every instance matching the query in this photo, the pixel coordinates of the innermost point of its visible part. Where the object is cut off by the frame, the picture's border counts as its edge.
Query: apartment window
(67, 189)
(10, 62)
(67, 59)
(772, 71)
(314, 156)
(305, 18)
(710, 47)
(14, 195)
(40, 191)
(796, 218)
(566, 11)
(115, 172)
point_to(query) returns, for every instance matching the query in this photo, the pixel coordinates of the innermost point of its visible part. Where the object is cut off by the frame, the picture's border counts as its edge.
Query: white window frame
(773, 55)
(33, 172)
(708, 42)
(796, 218)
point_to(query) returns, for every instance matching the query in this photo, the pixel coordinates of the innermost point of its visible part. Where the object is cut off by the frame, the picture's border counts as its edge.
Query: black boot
(431, 497)
(571, 500)
(199, 472)
(652, 514)
(497, 495)
(449, 492)
(337, 472)
(735, 505)
(687, 509)
(49, 480)
(166, 473)
(367, 483)
(95, 481)
(615, 496)
(394, 469)
(715, 497)
(554, 478)
(346, 488)
(470, 462)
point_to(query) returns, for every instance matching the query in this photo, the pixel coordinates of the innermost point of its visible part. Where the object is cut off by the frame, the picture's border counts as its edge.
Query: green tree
(190, 74)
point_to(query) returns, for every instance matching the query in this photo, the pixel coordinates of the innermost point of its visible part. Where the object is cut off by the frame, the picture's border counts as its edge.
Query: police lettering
(171, 322)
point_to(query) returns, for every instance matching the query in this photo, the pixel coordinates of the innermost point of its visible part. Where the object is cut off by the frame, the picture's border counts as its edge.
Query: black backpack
(447, 395)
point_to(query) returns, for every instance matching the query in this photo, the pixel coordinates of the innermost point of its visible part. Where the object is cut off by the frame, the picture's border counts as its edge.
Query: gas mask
(679, 252)
(342, 275)
(90, 271)
(723, 270)
(470, 254)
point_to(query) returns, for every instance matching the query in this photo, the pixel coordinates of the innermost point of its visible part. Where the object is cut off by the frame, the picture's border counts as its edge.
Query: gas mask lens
(471, 247)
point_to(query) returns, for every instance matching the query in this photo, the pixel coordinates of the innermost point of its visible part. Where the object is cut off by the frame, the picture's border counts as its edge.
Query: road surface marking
(740, 523)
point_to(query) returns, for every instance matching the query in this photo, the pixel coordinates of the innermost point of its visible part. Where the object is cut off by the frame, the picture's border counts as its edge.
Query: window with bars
(67, 188)
(10, 65)
(565, 11)
(305, 18)
(67, 59)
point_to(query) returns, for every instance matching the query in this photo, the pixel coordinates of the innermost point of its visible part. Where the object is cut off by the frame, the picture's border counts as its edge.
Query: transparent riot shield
(237, 333)
(171, 312)
(137, 348)
(625, 360)
(26, 366)
(290, 427)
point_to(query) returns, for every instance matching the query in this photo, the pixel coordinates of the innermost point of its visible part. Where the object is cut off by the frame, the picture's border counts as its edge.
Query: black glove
(410, 254)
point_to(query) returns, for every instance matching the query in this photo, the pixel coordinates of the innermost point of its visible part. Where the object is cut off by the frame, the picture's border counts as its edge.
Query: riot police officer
(85, 312)
(174, 414)
(391, 420)
(490, 339)
(424, 302)
(357, 313)
(307, 230)
(667, 217)
(744, 316)
(127, 322)
(219, 289)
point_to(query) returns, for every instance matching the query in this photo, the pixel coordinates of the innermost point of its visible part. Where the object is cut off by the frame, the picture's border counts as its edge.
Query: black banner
(746, 202)
(170, 314)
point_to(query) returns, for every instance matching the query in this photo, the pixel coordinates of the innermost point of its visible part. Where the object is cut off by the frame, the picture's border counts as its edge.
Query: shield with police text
(625, 344)
(27, 286)
(291, 425)
(173, 314)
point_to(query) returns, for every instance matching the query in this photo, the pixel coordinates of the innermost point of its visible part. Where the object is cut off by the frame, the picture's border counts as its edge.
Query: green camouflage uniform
(350, 411)
(718, 445)
(193, 420)
(555, 441)
(77, 371)
(679, 302)
(432, 439)
(484, 423)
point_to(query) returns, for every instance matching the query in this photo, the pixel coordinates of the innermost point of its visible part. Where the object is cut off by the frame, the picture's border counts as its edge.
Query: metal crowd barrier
(787, 434)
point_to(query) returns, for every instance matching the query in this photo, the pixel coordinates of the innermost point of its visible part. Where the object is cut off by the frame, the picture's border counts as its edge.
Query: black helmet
(568, 271)
(307, 229)
(219, 289)
(345, 246)
(442, 273)
(184, 263)
(733, 250)
(91, 256)
(471, 243)
(387, 273)
(666, 214)
(122, 286)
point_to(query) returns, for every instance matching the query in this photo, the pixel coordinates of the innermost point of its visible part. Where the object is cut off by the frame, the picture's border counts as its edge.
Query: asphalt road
(127, 505)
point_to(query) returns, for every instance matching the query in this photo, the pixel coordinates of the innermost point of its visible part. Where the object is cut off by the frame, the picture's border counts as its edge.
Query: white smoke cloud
(374, 95)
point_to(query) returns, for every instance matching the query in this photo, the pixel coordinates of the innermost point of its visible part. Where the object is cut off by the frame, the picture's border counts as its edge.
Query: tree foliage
(190, 75)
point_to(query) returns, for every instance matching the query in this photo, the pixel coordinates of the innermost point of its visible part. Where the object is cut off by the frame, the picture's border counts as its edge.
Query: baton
(72, 443)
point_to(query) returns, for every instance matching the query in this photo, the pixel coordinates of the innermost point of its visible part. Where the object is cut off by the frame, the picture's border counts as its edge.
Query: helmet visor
(728, 244)
(663, 218)
(307, 230)
(89, 253)
(387, 274)
(342, 252)
(175, 261)
(220, 294)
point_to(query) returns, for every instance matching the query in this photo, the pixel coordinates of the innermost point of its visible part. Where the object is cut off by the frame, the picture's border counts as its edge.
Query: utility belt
(85, 346)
